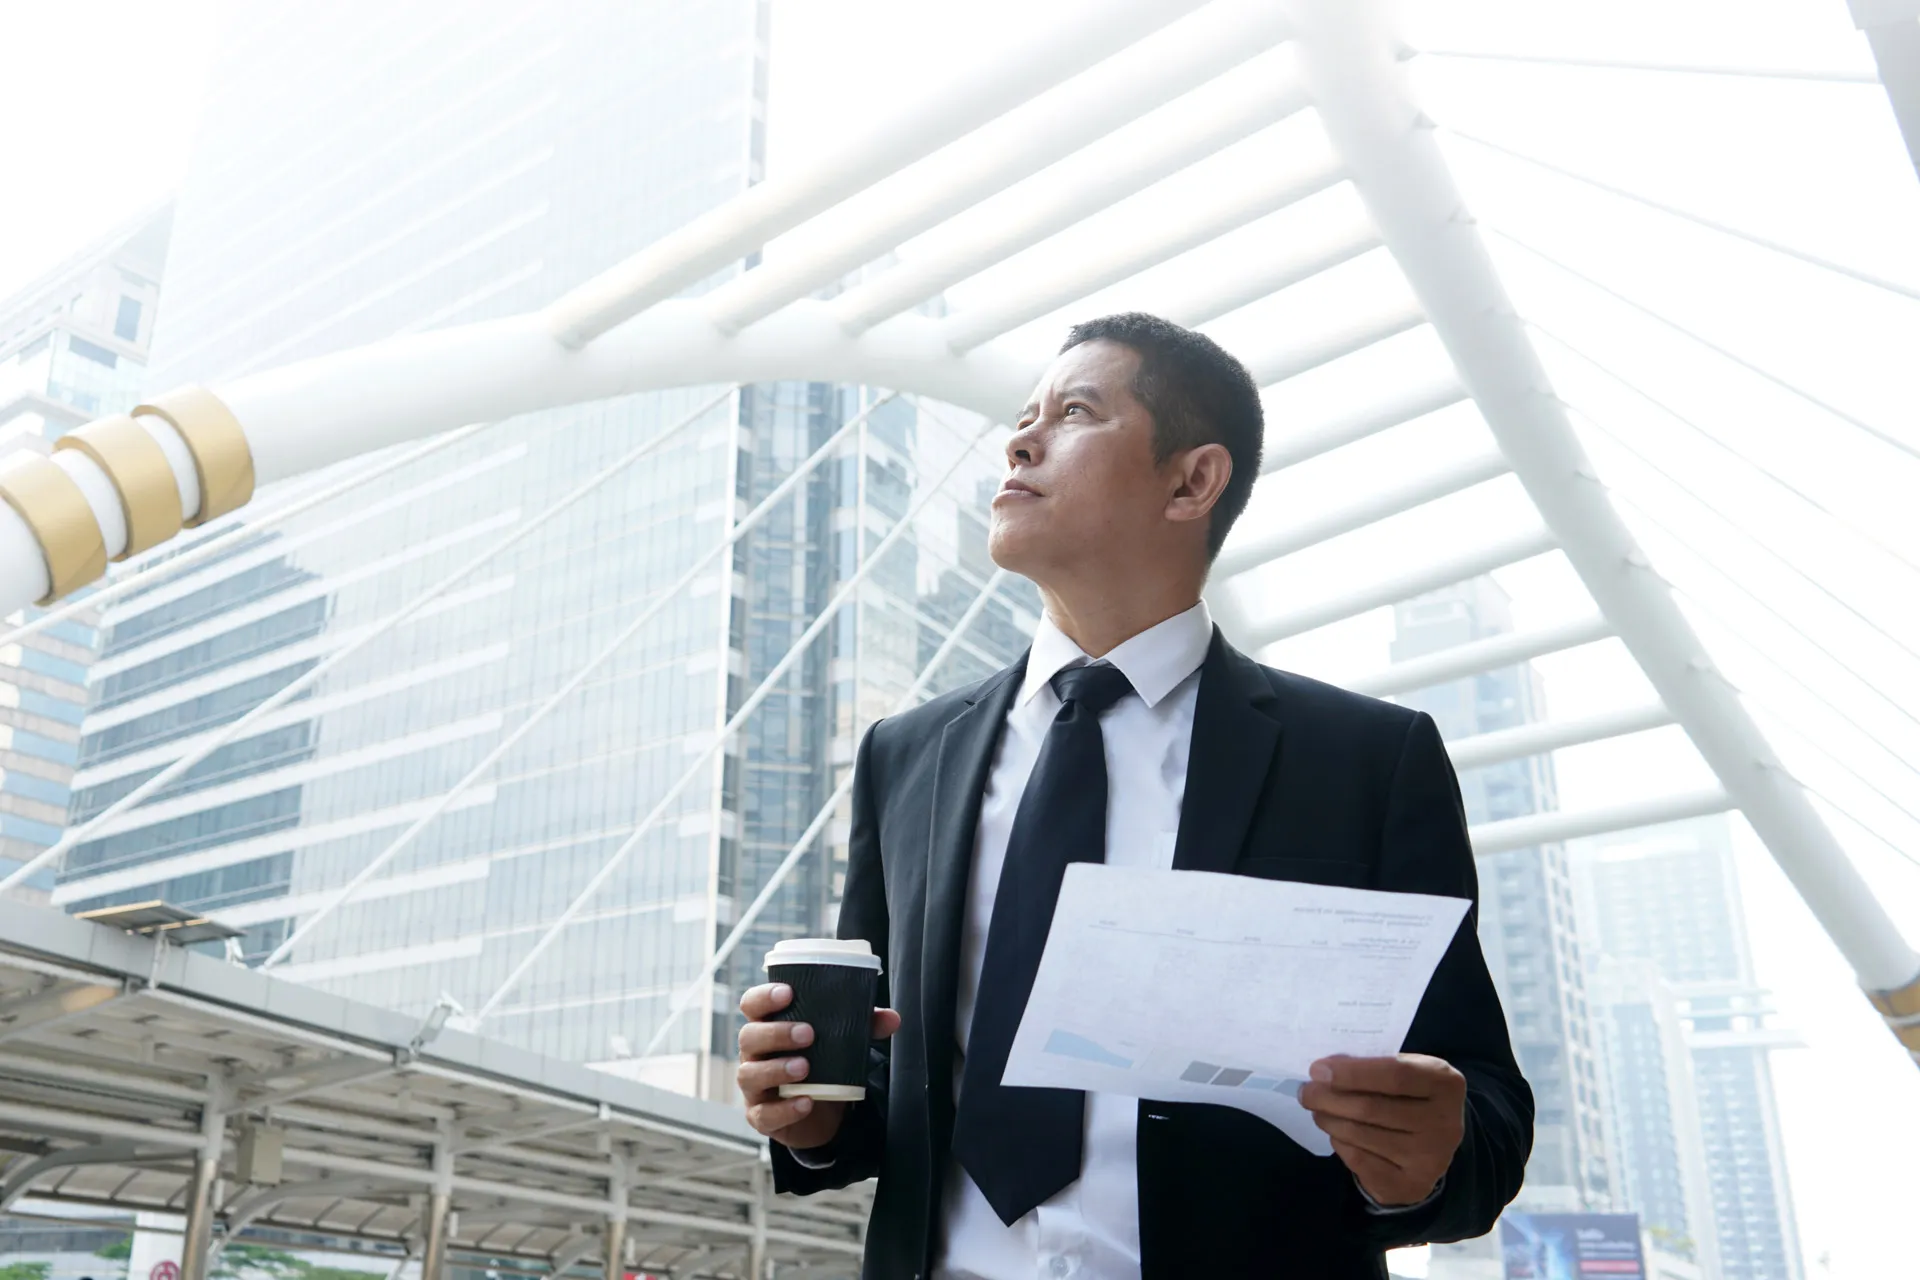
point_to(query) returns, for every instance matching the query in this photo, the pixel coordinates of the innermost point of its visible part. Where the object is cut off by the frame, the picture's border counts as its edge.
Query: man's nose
(1023, 446)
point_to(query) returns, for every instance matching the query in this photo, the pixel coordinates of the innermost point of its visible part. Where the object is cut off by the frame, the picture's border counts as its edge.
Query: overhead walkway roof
(114, 1050)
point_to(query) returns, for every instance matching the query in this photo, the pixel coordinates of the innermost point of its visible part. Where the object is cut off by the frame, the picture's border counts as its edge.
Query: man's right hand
(769, 1058)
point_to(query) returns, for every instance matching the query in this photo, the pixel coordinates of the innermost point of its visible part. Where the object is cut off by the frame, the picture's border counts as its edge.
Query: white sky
(102, 100)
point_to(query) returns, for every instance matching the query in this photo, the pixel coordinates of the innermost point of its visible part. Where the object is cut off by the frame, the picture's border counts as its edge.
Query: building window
(127, 323)
(92, 351)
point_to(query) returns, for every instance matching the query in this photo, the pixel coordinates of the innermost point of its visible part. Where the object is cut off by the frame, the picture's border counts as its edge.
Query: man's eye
(1076, 408)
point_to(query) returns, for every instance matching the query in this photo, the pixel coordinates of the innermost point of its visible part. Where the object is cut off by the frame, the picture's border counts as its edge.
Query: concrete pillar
(615, 1262)
(197, 1241)
(757, 1250)
(433, 1250)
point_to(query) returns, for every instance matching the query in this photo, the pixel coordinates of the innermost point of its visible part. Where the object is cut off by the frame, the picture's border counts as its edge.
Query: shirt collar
(1154, 662)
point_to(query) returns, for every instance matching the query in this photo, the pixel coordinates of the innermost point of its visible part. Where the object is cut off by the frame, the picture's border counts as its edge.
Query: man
(1132, 732)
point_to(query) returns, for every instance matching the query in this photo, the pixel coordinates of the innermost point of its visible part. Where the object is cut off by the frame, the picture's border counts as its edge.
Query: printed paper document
(1189, 986)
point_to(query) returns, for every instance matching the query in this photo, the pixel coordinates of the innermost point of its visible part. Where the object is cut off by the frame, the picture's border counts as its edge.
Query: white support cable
(1353, 63)
(74, 835)
(221, 540)
(1752, 538)
(1674, 211)
(1559, 825)
(1900, 850)
(1073, 114)
(1479, 656)
(691, 992)
(1094, 183)
(1794, 678)
(1819, 646)
(661, 600)
(1429, 487)
(1805, 74)
(1512, 549)
(1297, 446)
(1269, 193)
(760, 694)
(1799, 392)
(1011, 76)
(1334, 342)
(1620, 379)
(1501, 745)
(1792, 726)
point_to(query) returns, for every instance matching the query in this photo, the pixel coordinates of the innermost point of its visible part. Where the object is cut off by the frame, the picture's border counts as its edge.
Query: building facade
(1659, 1146)
(73, 347)
(1666, 900)
(1528, 926)
(399, 169)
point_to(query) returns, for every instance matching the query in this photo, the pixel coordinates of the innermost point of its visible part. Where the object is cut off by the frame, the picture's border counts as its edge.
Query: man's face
(1082, 492)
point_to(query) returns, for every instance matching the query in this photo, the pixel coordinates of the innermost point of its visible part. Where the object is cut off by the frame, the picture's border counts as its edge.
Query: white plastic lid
(854, 953)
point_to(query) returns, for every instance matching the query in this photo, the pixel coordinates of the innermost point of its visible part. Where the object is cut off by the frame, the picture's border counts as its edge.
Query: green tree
(119, 1251)
(25, 1270)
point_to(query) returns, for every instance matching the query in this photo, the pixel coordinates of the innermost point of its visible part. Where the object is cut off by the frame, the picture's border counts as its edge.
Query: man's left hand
(1395, 1122)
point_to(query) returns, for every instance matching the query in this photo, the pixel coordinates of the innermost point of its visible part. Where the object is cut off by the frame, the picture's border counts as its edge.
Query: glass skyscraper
(371, 169)
(1528, 927)
(73, 347)
(1666, 899)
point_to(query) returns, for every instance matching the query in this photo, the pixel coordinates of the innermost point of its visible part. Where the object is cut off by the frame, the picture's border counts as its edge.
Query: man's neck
(1100, 621)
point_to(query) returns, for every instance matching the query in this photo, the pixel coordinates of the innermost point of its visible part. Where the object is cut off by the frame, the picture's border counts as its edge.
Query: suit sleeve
(1424, 849)
(854, 1154)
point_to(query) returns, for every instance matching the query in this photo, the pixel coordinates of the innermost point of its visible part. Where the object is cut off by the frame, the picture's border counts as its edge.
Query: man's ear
(1199, 476)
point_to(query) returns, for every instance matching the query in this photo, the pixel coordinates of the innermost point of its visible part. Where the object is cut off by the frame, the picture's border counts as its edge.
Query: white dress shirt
(1091, 1229)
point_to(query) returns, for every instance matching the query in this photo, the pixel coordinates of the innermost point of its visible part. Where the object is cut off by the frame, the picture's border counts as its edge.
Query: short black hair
(1197, 394)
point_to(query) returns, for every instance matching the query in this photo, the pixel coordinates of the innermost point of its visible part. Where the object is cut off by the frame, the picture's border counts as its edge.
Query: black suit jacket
(1288, 779)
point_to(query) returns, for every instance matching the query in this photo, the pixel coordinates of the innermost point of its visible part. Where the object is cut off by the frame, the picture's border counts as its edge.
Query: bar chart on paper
(1227, 988)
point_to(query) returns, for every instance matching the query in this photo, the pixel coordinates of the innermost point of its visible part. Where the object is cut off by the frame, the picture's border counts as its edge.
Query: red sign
(164, 1270)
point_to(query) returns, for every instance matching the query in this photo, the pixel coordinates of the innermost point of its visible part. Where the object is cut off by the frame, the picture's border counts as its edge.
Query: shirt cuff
(1374, 1206)
(807, 1159)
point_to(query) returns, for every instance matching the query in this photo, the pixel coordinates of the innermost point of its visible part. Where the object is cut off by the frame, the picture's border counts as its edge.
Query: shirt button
(1059, 1266)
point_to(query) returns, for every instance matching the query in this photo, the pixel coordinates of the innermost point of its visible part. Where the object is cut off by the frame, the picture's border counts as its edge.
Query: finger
(762, 1039)
(1383, 1143)
(1394, 1076)
(771, 1117)
(764, 1076)
(885, 1023)
(765, 1000)
(1383, 1111)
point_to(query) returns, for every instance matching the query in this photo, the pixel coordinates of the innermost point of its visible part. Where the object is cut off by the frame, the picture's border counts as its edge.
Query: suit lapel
(960, 776)
(1235, 735)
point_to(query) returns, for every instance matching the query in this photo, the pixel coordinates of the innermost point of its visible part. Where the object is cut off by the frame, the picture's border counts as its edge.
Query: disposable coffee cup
(833, 985)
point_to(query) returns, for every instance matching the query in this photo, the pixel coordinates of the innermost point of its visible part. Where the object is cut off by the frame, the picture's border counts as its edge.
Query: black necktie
(1021, 1146)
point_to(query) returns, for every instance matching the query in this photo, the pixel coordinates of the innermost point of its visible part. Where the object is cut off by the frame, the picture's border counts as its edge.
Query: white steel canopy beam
(1254, 280)
(1352, 63)
(1270, 193)
(1092, 30)
(1068, 117)
(1297, 446)
(1332, 343)
(1086, 185)
(1549, 828)
(1437, 484)
(1415, 582)
(1521, 741)
(1892, 28)
(1479, 656)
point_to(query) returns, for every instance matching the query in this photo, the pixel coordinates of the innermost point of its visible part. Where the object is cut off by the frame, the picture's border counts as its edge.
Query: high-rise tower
(1528, 928)
(370, 169)
(73, 347)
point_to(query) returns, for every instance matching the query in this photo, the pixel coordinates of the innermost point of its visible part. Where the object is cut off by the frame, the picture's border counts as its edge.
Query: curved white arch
(624, 332)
